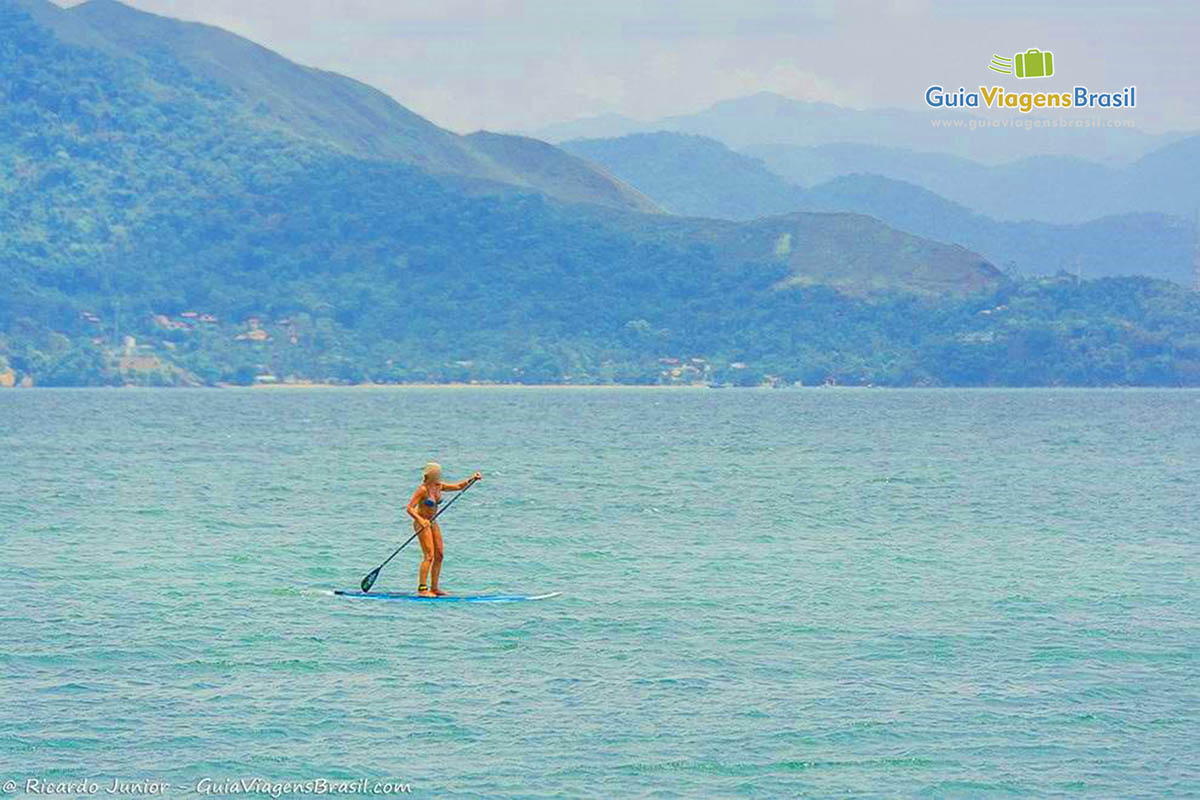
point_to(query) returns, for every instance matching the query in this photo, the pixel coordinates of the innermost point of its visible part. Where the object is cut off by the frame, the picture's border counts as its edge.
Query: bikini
(431, 503)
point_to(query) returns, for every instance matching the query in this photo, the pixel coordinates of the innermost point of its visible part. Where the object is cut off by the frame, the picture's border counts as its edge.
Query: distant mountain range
(771, 119)
(1150, 244)
(1063, 189)
(694, 175)
(179, 205)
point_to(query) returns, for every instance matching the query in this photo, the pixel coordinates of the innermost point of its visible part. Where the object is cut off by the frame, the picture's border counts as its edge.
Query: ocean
(791, 593)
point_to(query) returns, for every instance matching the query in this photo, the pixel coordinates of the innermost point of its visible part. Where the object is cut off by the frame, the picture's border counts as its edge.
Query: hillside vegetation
(162, 223)
(329, 109)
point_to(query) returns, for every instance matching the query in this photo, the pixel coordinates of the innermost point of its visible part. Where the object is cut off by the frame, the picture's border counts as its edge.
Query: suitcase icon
(1034, 63)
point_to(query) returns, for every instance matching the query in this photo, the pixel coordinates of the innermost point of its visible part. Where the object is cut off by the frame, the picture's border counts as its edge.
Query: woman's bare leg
(438, 550)
(425, 537)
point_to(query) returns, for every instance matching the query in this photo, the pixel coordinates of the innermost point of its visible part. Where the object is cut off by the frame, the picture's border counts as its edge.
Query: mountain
(162, 225)
(859, 255)
(544, 165)
(134, 190)
(66, 28)
(1166, 178)
(329, 109)
(771, 119)
(691, 175)
(1107, 172)
(1063, 189)
(601, 126)
(189, 101)
(1128, 244)
(694, 175)
(1046, 188)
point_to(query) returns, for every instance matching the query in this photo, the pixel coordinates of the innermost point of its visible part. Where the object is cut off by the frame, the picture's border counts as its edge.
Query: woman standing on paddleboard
(422, 508)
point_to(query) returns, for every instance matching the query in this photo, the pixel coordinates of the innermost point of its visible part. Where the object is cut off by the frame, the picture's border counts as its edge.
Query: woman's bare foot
(440, 593)
(425, 591)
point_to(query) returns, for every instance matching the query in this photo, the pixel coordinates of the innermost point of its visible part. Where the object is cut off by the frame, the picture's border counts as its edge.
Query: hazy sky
(519, 64)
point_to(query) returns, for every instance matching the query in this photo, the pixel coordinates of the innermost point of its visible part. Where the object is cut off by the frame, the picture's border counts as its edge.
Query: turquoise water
(766, 594)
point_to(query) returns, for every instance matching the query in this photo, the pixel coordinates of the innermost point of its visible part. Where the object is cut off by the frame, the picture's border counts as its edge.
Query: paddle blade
(369, 581)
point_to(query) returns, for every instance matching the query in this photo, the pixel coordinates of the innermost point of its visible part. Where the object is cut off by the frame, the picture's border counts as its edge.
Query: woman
(422, 508)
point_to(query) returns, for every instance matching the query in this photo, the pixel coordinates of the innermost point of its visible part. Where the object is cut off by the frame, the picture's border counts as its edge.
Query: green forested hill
(144, 198)
(333, 110)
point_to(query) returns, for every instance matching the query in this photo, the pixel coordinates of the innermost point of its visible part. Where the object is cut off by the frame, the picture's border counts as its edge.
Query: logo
(1033, 63)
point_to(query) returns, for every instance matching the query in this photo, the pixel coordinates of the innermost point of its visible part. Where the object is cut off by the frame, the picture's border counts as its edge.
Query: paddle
(369, 580)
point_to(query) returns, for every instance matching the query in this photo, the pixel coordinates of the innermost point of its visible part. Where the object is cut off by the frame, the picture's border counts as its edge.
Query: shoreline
(460, 385)
(596, 387)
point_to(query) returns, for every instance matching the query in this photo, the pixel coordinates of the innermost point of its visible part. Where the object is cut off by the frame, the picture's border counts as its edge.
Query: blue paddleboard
(450, 598)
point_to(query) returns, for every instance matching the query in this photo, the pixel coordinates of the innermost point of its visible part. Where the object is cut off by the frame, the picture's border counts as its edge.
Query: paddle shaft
(396, 552)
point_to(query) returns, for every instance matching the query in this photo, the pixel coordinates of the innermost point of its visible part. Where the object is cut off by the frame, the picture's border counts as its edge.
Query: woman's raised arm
(458, 487)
